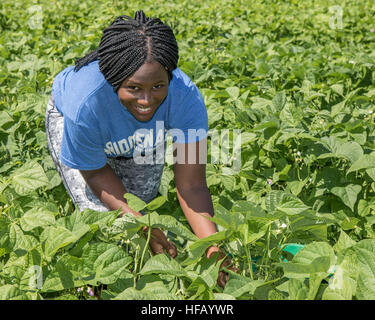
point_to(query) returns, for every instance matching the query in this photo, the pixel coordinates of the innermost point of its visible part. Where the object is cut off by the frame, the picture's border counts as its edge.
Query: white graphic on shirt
(141, 141)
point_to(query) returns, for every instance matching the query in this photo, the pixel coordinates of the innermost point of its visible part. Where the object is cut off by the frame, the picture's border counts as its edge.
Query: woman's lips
(143, 110)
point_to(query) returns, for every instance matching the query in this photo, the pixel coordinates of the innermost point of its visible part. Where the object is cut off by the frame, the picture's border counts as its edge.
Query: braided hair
(129, 43)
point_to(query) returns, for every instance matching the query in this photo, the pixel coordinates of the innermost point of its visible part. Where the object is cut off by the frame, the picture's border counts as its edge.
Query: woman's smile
(143, 110)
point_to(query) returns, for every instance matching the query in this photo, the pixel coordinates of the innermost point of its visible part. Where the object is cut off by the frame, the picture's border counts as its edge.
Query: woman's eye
(132, 87)
(158, 86)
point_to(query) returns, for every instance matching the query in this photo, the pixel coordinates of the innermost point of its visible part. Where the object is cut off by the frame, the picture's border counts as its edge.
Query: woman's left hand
(227, 263)
(160, 244)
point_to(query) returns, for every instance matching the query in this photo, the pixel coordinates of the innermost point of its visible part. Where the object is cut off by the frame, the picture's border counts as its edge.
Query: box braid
(129, 43)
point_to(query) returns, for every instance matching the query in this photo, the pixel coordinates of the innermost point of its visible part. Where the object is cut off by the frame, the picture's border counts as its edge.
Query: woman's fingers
(156, 247)
(172, 250)
(159, 243)
(223, 276)
(222, 279)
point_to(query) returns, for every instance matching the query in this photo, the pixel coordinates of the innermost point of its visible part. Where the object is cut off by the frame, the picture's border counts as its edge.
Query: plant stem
(248, 256)
(267, 249)
(135, 267)
(147, 241)
(146, 246)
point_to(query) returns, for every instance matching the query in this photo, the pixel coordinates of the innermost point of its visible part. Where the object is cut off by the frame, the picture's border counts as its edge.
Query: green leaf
(364, 208)
(77, 249)
(338, 290)
(350, 150)
(279, 100)
(208, 270)
(166, 222)
(302, 270)
(162, 264)
(367, 161)
(234, 92)
(159, 292)
(66, 297)
(37, 217)
(156, 203)
(19, 240)
(298, 289)
(316, 257)
(347, 194)
(365, 287)
(292, 206)
(239, 285)
(28, 178)
(273, 198)
(67, 273)
(255, 229)
(106, 261)
(338, 88)
(343, 242)
(5, 118)
(166, 179)
(199, 289)
(314, 250)
(228, 182)
(314, 284)
(74, 223)
(104, 218)
(198, 247)
(54, 238)
(11, 292)
(223, 296)
(134, 202)
(365, 251)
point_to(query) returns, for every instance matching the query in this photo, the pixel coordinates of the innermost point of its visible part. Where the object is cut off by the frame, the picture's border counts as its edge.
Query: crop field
(296, 77)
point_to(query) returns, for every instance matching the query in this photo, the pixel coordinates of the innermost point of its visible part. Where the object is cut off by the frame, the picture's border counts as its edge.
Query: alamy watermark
(149, 146)
(36, 279)
(336, 282)
(36, 19)
(335, 20)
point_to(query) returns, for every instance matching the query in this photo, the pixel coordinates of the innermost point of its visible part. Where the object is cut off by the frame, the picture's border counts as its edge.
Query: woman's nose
(145, 99)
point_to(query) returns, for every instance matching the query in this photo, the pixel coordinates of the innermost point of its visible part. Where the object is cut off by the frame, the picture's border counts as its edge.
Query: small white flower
(351, 62)
(370, 112)
(298, 153)
(283, 226)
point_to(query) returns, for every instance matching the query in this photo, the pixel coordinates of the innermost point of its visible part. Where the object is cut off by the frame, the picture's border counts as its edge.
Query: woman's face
(145, 90)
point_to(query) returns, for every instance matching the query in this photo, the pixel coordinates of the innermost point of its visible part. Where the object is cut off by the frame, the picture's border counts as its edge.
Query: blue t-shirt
(97, 125)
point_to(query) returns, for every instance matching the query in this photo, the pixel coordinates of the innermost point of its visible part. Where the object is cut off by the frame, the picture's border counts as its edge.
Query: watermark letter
(36, 279)
(36, 19)
(335, 21)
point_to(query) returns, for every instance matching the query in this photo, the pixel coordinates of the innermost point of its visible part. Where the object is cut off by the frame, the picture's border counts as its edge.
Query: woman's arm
(192, 191)
(195, 200)
(109, 189)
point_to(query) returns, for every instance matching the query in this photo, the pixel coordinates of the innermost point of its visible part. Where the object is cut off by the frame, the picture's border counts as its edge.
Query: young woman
(110, 112)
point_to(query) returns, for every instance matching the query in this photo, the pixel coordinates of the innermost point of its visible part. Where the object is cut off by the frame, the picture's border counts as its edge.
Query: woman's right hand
(159, 243)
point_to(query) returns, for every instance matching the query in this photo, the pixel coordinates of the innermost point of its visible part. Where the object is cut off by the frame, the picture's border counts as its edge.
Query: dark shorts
(142, 180)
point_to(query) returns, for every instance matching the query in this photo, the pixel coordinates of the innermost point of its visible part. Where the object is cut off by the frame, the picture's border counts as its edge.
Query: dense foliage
(300, 90)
